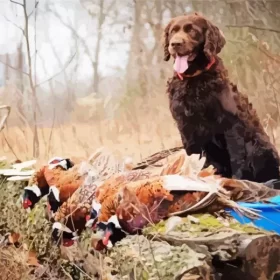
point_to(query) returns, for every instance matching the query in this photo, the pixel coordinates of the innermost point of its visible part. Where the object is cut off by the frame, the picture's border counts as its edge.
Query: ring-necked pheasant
(41, 180)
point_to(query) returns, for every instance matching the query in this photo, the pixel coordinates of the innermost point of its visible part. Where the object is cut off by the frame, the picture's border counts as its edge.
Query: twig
(66, 273)
(14, 68)
(21, 29)
(36, 4)
(153, 256)
(4, 119)
(61, 70)
(10, 147)
(17, 3)
(50, 137)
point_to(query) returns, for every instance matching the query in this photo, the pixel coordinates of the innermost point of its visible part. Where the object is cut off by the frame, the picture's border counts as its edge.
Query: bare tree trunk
(20, 66)
(7, 72)
(135, 67)
(101, 19)
(32, 84)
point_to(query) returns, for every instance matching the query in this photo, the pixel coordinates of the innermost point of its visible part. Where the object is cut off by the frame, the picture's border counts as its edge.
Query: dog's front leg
(236, 146)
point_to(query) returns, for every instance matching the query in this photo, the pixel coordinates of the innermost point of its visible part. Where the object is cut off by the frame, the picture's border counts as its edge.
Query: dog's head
(189, 34)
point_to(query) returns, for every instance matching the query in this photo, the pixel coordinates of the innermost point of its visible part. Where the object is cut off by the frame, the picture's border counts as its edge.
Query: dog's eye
(176, 28)
(188, 27)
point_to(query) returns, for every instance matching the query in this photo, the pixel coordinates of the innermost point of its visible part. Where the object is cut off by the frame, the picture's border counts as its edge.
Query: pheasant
(63, 185)
(142, 185)
(92, 217)
(74, 213)
(176, 191)
(106, 234)
(40, 182)
(116, 197)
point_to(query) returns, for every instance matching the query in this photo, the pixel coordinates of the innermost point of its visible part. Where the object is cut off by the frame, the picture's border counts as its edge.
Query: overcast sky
(52, 34)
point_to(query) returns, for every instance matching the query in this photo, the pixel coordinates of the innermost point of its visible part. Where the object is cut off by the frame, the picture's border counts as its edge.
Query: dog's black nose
(176, 44)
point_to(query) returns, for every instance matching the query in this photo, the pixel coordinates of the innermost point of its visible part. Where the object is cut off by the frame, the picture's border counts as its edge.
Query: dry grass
(139, 128)
(13, 264)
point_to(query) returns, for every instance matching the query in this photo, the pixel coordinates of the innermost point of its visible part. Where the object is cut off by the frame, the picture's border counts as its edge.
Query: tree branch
(14, 68)
(36, 4)
(21, 29)
(74, 32)
(253, 27)
(17, 3)
(262, 50)
(63, 69)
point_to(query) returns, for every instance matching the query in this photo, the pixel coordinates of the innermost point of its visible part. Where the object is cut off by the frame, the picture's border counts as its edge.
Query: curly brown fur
(213, 117)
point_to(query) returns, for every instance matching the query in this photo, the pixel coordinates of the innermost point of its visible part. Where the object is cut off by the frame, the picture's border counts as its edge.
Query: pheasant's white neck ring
(114, 220)
(62, 227)
(55, 192)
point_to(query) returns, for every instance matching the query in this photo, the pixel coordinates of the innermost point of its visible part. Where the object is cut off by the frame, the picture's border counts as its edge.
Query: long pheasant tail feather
(182, 183)
(244, 211)
(210, 186)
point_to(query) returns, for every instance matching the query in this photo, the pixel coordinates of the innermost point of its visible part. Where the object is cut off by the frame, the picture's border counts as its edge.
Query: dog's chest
(192, 100)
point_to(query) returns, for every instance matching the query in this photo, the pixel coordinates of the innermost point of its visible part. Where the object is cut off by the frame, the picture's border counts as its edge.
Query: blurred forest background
(81, 74)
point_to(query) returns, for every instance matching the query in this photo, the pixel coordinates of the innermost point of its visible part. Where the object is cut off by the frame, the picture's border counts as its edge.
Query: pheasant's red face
(106, 238)
(67, 242)
(99, 246)
(26, 203)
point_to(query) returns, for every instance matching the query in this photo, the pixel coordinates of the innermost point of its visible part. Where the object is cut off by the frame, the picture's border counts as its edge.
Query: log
(237, 251)
(261, 258)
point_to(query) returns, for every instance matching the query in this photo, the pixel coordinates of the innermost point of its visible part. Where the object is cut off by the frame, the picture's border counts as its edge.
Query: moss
(246, 228)
(4, 164)
(206, 223)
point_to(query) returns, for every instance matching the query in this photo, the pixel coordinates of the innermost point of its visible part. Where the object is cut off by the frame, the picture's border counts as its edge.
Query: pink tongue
(181, 64)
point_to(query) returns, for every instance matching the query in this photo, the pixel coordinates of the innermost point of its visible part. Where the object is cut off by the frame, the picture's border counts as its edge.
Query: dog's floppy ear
(166, 41)
(214, 40)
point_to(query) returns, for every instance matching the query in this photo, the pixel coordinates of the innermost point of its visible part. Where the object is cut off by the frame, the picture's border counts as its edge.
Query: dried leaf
(32, 259)
(13, 237)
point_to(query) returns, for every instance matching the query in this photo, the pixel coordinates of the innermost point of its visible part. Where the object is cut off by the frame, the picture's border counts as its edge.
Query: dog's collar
(198, 72)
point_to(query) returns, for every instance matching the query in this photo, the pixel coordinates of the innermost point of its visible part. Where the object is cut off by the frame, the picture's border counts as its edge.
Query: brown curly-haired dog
(213, 117)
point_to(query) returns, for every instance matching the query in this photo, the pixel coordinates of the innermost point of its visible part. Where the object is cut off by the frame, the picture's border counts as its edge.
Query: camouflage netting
(147, 259)
(34, 229)
(35, 235)
(221, 236)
